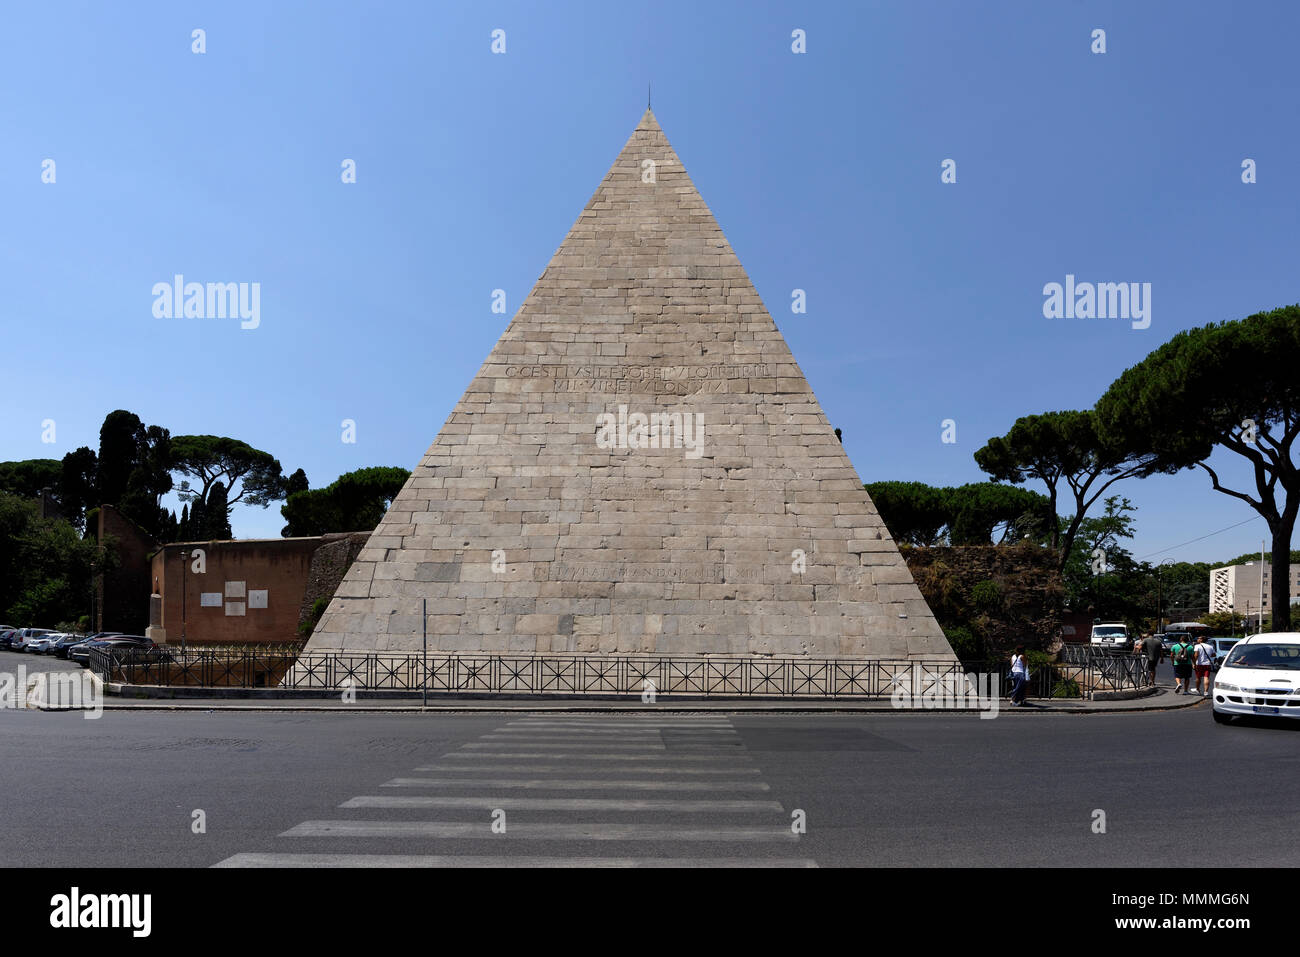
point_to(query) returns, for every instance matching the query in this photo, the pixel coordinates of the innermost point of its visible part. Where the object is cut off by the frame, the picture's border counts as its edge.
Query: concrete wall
(1234, 587)
(254, 591)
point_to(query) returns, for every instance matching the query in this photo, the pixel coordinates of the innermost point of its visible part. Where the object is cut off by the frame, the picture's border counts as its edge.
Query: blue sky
(924, 299)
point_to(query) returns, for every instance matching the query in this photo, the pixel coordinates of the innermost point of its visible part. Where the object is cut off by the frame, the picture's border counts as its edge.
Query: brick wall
(250, 591)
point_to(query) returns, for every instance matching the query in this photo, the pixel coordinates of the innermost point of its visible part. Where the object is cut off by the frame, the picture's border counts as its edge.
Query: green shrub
(965, 643)
(986, 596)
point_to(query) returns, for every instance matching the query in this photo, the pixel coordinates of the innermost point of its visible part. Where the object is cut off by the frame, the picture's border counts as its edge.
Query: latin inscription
(660, 380)
(639, 572)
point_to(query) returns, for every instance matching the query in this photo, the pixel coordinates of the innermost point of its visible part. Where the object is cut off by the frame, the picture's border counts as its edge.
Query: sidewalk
(1163, 700)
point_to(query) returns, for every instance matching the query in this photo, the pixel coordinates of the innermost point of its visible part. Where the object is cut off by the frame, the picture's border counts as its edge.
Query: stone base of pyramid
(395, 627)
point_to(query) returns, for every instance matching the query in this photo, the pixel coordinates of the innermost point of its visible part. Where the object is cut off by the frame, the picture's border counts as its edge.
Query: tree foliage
(980, 513)
(1064, 451)
(1101, 576)
(354, 502)
(215, 459)
(45, 566)
(76, 489)
(133, 469)
(1231, 385)
(914, 513)
(29, 476)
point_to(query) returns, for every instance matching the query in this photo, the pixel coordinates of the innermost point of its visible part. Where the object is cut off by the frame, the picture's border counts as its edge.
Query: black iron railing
(1079, 673)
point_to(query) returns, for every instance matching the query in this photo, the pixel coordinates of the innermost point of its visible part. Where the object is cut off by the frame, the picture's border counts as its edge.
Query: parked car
(1221, 648)
(62, 650)
(61, 642)
(20, 640)
(144, 648)
(39, 644)
(6, 635)
(1260, 676)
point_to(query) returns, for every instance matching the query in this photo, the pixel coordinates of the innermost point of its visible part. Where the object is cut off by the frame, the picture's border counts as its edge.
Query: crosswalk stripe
(572, 785)
(527, 745)
(578, 767)
(429, 860)
(529, 830)
(491, 802)
(621, 725)
(611, 739)
(605, 744)
(619, 730)
(658, 755)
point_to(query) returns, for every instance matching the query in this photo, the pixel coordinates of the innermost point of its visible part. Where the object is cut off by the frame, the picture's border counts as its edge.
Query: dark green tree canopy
(989, 511)
(354, 502)
(213, 458)
(45, 566)
(28, 477)
(914, 513)
(133, 468)
(297, 482)
(1063, 448)
(1232, 385)
(76, 490)
(976, 514)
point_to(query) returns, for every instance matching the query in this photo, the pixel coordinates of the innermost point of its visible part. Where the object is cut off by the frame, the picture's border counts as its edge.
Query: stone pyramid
(545, 520)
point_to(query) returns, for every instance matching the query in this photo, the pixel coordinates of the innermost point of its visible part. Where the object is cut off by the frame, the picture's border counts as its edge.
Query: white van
(1114, 635)
(1261, 675)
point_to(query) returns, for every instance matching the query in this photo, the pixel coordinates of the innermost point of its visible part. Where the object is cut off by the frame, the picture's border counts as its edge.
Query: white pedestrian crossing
(669, 775)
(468, 860)
(530, 830)
(491, 801)
(594, 784)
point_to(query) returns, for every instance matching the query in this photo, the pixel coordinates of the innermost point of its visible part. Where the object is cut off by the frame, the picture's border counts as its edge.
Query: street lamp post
(1160, 618)
(185, 559)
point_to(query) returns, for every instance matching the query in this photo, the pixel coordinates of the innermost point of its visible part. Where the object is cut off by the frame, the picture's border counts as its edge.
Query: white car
(1113, 635)
(1260, 676)
(41, 644)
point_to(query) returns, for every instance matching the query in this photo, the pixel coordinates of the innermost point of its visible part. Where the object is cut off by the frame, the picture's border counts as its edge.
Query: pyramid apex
(648, 121)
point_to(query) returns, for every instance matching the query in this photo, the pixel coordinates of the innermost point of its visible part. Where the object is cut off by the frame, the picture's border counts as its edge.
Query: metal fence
(526, 674)
(1081, 672)
(1104, 669)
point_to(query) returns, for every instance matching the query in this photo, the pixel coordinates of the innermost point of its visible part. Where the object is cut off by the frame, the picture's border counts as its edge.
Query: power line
(1194, 540)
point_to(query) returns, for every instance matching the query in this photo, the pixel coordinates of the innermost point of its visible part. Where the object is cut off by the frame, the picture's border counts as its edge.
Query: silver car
(41, 645)
(26, 636)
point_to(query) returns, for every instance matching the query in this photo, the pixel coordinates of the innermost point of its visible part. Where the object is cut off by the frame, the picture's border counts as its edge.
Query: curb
(495, 705)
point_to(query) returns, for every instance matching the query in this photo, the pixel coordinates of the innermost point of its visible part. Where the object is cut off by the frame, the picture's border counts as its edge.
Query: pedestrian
(1153, 651)
(1181, 653)
(1203, 654)
(1019, 676)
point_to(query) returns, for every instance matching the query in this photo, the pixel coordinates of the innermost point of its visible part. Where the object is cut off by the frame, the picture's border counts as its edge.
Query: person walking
(1153, 652)
(1019, 676)
(1181, 653)
(1203, 660)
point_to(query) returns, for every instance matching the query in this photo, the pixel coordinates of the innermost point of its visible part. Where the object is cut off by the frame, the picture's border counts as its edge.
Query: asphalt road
(882, 790)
